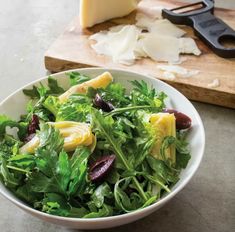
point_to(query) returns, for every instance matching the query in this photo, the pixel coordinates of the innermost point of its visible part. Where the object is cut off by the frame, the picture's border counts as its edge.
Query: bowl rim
(137, 212)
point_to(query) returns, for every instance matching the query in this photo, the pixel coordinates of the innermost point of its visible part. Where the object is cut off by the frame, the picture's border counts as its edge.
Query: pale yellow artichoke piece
(74, 133)
(164, 124)
(101, 81)
(30, 146)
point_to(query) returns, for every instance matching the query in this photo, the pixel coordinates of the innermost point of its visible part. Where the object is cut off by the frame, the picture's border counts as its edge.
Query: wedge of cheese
(98, 11)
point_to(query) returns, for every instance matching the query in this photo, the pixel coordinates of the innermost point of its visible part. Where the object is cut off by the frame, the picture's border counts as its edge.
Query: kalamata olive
(101, 168)
(182, 120)
(33, 125)
(100, 103)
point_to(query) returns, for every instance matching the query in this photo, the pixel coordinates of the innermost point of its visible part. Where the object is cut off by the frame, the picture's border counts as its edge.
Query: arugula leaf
(32, 93)
(105, 211)
(78, 212)
(25, 193)
(53, 86)
(42, 91)
(50, 138)
(103, 191)
(104, 128)
(8, 177)
(167, 142)
(77, 78)
(55, 204)
(129, 203)
(52, 104)
(182, 153)
(114, 93)
(71, 111)
(161, 171)
(142, 87)
(143, 95)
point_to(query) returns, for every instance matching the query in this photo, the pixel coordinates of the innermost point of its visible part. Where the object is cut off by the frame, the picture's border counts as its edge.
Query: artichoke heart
(74, 134)
(101, 81)
(164, 125)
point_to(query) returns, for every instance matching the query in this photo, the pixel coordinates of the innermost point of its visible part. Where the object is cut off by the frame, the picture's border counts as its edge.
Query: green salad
(94, 150)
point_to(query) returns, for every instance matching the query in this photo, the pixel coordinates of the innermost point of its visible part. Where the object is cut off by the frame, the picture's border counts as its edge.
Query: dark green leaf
(32, 93)
(105, 211)
(63, 170)
(100, 194)
(23, 161)
(55, 204)
(52, 104)
(8, 177)
(50, 138)
(79, 168)
(54, 87)
(77, 78)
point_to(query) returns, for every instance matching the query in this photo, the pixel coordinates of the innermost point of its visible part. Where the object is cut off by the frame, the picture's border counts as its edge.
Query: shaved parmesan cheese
(161, 42)
(144, 21)
(180, 61)
(165, 27)
(118, 44)
(139, 51)
(161, 48)
(188, 45)
(177, 71)
(159, 26)
(214, 84)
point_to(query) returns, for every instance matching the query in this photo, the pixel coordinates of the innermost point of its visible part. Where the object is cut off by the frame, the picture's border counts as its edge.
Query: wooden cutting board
(72, 50)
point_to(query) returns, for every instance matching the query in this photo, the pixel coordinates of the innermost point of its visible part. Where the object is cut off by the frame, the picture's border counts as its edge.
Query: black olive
(33, 125)
(100, 103)
(101, 168)
(182, 120)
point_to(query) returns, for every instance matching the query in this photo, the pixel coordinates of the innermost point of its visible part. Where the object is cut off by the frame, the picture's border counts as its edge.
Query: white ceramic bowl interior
(15, 105)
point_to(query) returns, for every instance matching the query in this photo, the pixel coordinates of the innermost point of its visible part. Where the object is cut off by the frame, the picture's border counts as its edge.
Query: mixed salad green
(97, 152)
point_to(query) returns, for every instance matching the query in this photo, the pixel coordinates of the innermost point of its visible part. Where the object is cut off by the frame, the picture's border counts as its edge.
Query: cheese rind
(98, 11)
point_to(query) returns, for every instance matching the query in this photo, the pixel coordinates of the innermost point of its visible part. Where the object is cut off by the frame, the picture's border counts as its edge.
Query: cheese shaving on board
(214, 84)
(159, 26)
(119, 43)
(162, 48)
(177, 71)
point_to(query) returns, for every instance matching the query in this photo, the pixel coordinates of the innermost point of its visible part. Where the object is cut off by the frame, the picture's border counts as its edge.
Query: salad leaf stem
(154, 180)
(17, 169)
(129, 108)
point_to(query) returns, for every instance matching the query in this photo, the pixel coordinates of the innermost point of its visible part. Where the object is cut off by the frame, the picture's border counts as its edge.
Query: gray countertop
(207, 203)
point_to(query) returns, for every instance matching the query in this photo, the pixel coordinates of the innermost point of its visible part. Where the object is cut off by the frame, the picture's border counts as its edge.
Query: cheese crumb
(214, 84)
(178, 71)
(169, 75)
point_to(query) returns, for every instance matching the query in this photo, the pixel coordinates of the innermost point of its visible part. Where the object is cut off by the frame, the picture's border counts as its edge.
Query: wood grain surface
(72, 50)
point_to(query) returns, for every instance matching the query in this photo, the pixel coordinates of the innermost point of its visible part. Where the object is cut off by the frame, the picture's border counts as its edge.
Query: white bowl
(15, 105)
